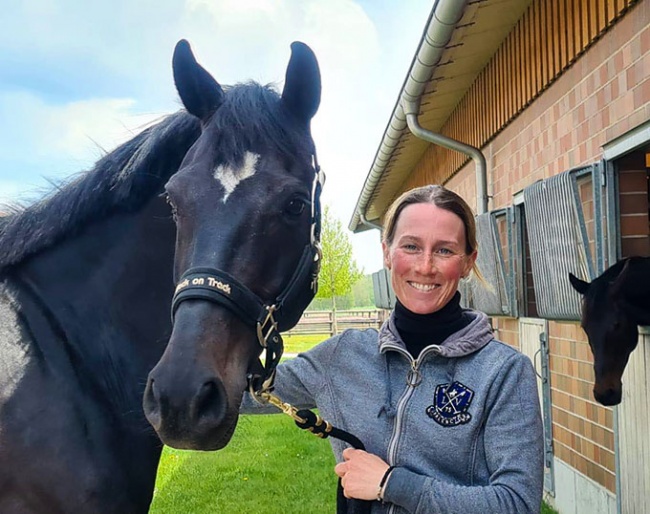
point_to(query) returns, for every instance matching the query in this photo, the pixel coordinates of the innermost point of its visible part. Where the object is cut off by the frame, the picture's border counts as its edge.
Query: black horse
(614, 305)
(88, 276)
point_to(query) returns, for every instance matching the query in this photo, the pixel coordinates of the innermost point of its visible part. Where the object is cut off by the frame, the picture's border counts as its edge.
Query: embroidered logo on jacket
(450, 404)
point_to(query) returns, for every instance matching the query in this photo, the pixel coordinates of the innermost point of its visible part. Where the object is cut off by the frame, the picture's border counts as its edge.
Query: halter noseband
(268, 319)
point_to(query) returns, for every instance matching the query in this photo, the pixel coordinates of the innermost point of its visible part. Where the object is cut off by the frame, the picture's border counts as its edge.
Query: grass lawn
(269, 467)
(302, 342)
(548, 510)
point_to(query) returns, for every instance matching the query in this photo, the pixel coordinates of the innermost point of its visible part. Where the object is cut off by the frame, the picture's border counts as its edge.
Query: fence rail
(322, 322)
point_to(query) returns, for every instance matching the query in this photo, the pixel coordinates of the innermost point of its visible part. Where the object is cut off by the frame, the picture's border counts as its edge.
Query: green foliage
(547, 509)
(361, 296)
(338, 271)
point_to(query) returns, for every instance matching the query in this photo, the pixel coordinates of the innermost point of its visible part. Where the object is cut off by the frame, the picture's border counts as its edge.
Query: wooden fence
(322, 322)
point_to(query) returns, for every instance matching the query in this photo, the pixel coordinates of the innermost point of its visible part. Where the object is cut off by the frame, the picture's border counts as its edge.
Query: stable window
(494, 235)
(563, 238)
(630, 181)
(526, 301)
(628, 224)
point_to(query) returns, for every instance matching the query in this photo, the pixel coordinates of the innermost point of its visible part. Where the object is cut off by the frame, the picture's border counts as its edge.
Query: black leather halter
(268, 318)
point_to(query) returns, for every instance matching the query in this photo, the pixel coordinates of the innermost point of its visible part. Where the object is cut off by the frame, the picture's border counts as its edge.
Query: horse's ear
(200, 93)
(579, 285)
(302, 86)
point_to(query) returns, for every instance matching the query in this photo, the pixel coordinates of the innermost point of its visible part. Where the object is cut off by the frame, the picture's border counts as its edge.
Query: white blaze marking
(231, 177)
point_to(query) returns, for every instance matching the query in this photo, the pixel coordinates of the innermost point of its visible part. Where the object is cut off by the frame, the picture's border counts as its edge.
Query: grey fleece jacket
(461, 423)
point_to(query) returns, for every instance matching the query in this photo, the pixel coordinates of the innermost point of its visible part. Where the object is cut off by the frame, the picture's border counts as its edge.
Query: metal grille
(494, 301)
(557, 246)
(384, 295)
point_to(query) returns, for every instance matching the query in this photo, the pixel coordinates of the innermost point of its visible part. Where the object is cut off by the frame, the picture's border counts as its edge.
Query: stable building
(538, 113)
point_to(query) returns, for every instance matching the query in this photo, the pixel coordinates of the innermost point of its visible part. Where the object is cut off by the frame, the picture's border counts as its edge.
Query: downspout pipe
(369, 223)
(411, 109)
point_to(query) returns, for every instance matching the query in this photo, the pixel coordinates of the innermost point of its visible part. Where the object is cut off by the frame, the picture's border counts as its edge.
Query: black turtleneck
(421, 330)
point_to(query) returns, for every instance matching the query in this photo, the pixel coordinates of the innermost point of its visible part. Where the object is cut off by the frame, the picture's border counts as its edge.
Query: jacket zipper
(413, 379)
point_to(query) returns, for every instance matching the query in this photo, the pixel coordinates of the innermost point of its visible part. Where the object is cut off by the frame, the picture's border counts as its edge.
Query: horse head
(245, 202)
(611, 313)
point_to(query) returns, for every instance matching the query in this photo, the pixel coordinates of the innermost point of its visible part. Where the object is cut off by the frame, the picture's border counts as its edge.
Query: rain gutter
(411, 109)
(442, 22)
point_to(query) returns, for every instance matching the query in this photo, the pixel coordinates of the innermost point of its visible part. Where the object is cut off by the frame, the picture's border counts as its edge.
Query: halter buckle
(318, 259)
(264, 331)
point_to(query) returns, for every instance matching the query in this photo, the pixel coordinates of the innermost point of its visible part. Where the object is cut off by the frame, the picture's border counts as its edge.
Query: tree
(363, 294)
(338, 271)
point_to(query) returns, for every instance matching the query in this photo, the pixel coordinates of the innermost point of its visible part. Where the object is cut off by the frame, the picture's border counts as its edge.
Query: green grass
(546, 509)
(270, 466)
(302, 342)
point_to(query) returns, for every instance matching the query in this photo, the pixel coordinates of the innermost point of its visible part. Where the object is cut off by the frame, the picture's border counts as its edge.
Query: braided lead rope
(307, 420)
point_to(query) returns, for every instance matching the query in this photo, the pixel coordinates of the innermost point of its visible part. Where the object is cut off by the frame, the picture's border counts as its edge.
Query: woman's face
(427, 257)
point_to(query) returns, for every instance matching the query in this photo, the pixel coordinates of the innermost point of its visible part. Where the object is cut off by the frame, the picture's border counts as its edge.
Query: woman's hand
(360, 474)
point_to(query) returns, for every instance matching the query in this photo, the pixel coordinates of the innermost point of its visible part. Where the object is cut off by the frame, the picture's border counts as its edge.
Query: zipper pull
(414, 376)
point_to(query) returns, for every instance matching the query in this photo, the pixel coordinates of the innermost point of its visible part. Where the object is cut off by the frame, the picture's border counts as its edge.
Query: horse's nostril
(209, 405)
(151, 404)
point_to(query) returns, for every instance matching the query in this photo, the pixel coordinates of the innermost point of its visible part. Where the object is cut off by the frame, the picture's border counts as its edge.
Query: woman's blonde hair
(444, 199)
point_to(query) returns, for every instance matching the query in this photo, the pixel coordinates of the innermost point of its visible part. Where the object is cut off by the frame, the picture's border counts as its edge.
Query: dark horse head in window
(215, 207)
(614, 304)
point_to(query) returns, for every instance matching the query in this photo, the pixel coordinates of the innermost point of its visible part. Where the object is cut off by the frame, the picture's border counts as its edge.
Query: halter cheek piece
(268, 319)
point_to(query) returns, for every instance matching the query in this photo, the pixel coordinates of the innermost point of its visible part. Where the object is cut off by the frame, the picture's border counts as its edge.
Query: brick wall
(507, 331)
(603, 95)
(582, 429)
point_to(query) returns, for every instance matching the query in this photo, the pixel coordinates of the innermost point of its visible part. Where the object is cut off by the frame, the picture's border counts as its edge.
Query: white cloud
(89, 123)
(56, 140)
(120, 56)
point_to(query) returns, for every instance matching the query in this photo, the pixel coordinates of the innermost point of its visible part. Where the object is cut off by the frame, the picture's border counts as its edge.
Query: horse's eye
(171, 206)
(295, 207)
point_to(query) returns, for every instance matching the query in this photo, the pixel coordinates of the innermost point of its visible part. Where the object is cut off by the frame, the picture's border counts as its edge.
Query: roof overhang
(478, 30)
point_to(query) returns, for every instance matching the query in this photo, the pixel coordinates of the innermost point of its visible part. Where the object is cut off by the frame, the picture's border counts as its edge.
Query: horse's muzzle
(187, 415)
(608, 397)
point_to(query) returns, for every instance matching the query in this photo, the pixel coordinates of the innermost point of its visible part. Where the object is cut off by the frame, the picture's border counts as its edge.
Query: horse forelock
(605, 292)
(252, 118)
(121, 181)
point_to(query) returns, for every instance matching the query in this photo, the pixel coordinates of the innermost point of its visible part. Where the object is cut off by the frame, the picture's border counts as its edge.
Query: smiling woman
(412, 252)
(449, 415)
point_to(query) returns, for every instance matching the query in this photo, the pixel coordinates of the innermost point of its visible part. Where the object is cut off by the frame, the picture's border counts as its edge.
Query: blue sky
(80, 77)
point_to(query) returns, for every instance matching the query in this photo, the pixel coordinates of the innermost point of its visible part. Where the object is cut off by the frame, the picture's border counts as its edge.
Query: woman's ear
(386, 250)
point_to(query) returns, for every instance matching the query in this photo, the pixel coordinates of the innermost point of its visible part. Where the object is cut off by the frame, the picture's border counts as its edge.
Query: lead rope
(307, 420)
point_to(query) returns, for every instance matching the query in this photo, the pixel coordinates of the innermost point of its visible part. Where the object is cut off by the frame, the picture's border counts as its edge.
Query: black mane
(126, 178)
(122, 180)
(252, 117)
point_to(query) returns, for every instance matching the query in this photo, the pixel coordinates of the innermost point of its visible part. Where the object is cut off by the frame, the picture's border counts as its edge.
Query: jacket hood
(468, 340)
